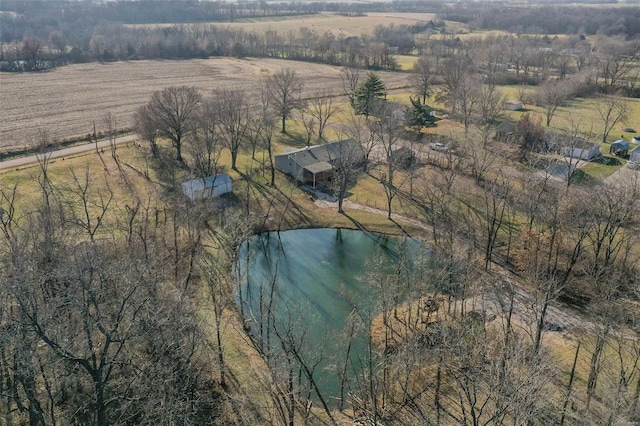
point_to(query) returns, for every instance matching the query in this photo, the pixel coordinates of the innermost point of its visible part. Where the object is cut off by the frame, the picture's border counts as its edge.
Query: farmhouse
(210, 187)
(318, 163)
(619, 148)
(514, 105)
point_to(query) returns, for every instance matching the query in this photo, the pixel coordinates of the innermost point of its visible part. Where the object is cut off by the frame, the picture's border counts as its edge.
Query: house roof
(320, 167)
(569, 141)
(620, 144)
(316, 154)
(197, 184)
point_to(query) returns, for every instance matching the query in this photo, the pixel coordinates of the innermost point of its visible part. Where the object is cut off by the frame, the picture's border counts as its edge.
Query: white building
(210, 187)
(514, 105)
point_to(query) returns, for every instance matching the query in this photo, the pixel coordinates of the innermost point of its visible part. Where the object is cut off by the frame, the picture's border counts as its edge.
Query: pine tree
(368, 93)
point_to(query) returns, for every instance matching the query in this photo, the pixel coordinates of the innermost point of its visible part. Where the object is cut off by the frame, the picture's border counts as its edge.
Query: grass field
(322, 22)
(65, 102)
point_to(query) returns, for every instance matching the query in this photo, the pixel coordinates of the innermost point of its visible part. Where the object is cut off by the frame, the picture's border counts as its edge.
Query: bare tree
(467, 97)
(350, 81)
(172, 113)
(550, 95)
(454, 71)
(387, 129)
(309, 124)
(263, 126)
(612, 110)
(359, 129)
(145, 127)
(346, 161)
(489, 106)
(285, 88)
(422, 78)
(207, 145)
(322, 107)
(614, 60)
(232, 117)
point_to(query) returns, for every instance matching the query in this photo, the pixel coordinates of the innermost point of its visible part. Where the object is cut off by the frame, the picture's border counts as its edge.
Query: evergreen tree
(418, 115)
(367, 94)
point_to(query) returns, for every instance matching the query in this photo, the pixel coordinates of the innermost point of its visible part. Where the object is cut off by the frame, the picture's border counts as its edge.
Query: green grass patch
(595, 171)
(405, 62)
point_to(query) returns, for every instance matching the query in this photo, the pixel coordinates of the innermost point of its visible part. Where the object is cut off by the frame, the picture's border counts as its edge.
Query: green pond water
(312, 281)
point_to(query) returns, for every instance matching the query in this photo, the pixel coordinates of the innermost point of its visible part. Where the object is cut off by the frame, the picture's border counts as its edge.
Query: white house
(210, 187)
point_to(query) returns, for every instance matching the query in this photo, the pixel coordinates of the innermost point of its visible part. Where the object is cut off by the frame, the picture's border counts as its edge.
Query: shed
(514, 105)
(210, 187)
(619, 148)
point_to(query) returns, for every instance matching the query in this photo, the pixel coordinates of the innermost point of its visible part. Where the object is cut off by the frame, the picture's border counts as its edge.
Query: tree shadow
(399, 225)
(355, 222)
(166, 168)
(274, 194)
(606, 160)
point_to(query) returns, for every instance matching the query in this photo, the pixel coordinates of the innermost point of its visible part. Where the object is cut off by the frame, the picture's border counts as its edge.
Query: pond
(308, 296)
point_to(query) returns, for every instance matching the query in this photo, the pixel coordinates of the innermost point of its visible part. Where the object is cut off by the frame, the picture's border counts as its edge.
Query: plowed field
(66, 101)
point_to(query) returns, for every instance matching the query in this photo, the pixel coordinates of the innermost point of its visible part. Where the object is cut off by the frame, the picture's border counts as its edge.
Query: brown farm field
(322, 22)
(66, 101)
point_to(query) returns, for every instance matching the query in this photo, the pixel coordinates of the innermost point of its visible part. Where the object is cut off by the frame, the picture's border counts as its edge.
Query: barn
(209, 187)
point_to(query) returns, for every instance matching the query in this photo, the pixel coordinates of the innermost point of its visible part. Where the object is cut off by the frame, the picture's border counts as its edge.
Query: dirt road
(61, 153)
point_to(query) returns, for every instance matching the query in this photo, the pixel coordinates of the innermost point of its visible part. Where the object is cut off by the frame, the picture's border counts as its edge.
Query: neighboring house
(619, 148)
(582, 150)
(634, 158)
(635, 139)
(210, 187)
(514, 105)
(315, 164)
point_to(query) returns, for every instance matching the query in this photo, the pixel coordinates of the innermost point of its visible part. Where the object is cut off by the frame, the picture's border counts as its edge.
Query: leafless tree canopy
(172, 112)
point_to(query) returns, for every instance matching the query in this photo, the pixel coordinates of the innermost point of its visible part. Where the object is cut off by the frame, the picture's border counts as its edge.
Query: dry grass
(65, 102)
(322, 22)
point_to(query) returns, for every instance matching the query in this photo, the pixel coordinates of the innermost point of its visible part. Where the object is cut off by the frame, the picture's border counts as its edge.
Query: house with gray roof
(318, 163)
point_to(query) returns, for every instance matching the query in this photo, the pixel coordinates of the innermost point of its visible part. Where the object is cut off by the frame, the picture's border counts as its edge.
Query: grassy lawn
(405, 62)
(595, 171)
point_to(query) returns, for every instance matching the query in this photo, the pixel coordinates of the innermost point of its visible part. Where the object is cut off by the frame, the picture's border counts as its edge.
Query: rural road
(60, 153)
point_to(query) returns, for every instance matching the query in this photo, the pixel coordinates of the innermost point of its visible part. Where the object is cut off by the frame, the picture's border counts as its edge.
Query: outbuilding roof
(198, 184)
(620, 144)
